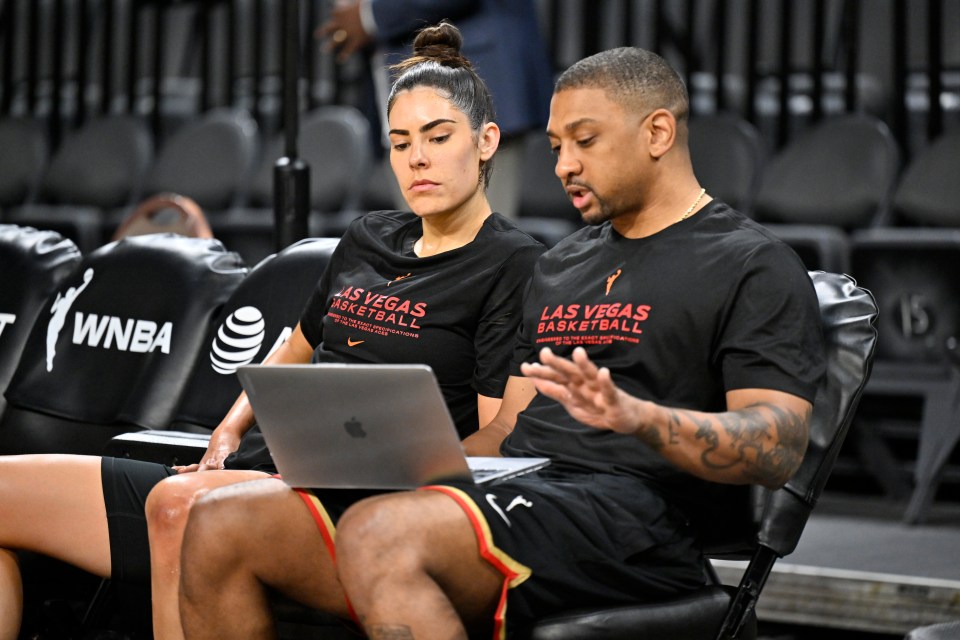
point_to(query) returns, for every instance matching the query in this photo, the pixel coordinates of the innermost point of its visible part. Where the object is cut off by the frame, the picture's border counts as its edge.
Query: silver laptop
(364, 426)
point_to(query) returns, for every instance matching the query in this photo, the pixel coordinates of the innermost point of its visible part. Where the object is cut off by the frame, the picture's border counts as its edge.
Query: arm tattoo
(673, 428)
(650, 436)
(390, 632)
(749, 430)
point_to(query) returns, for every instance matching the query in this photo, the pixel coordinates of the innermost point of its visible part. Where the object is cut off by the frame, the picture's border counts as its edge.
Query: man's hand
(221, 445)
(587, 392)
(344, 31)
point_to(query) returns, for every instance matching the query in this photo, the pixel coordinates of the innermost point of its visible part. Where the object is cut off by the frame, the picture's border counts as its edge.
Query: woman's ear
(662, 132)
(488, 140)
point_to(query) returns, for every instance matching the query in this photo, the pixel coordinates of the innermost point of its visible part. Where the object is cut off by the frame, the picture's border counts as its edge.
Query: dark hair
(437, 63)
(637, 79)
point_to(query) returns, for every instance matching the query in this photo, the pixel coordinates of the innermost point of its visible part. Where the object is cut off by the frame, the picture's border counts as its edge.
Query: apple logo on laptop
(355, 428)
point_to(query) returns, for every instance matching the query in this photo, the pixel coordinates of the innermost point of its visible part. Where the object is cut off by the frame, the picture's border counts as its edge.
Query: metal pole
(106, 66)
(291, 175)
(721, 51)
(816, 64)
(934, 68)
(900, 124)
(786, 68)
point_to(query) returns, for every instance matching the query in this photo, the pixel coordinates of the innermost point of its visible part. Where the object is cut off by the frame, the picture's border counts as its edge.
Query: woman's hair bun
(439, 43)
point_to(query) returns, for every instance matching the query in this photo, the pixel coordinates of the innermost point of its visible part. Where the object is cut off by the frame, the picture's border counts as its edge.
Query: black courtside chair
(111, 348)
(258, 316)
(32, 263)
(721, 612)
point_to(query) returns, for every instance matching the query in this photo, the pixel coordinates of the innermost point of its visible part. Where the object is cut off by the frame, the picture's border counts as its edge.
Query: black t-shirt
(457, 311)
(707, 305)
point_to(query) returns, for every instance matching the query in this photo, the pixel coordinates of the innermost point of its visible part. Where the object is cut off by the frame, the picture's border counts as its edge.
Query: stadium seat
(22, 162)
(727, 152)
(33, 264)
(96, 169)
(334, 143)
(914, 270)
(721, 612)
(112, 348)
(544, 210)
(209, 160)
(833, 178)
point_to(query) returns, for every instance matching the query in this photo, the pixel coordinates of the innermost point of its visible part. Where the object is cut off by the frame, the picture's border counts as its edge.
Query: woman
(441, 286)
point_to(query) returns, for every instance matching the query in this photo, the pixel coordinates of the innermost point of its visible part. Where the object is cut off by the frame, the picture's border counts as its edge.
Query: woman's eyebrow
(424, 128)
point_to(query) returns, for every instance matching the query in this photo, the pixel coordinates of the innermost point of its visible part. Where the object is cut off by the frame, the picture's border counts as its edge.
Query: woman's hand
(222, 444)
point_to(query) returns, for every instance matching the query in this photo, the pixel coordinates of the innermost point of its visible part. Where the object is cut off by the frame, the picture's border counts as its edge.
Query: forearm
(516, 396)
(294, 350)
(486, 441)
(762, 443)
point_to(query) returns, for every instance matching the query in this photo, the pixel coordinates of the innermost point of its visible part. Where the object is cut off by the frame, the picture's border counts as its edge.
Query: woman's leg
(168, 506)
(11, 595)
(49, 504)
(239, 541)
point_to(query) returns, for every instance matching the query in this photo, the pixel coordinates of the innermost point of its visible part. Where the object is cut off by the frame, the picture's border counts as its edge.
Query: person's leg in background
(53, 505)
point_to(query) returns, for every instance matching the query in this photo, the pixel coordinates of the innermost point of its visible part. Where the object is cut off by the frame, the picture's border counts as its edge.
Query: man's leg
(167, 508)
(411, 565)
(241, 539)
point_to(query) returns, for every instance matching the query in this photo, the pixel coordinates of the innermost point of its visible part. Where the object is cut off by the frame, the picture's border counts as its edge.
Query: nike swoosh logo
(353, 343)
(492, 500)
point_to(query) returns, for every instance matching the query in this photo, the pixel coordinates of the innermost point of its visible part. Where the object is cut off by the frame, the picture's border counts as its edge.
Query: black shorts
(565, 541)
(126, 484)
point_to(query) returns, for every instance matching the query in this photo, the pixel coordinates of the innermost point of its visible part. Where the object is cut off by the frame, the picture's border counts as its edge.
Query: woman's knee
(169, 503)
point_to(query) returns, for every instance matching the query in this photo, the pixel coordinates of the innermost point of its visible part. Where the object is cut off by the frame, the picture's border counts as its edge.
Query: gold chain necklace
(693, 206)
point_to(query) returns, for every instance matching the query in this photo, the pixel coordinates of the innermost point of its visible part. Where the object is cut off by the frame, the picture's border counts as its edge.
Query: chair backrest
(841, 172)
(727, 152)
(22, 161)
(929, 192)
(101, 164)
(848, 316)
(259, 315)
(334, 140)
(111, 349)
(32, 264)
(210, 159)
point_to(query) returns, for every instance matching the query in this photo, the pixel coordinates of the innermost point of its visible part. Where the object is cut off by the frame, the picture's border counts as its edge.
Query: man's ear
(661, 128)
(488, 140)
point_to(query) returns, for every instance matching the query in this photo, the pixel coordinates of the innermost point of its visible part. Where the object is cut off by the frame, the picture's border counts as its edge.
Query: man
(679, 349)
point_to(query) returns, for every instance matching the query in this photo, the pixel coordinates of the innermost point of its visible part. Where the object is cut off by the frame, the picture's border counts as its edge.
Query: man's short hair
(637, 79)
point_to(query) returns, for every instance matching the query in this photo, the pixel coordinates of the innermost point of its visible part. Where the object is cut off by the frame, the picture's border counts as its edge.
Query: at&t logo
(239, 340)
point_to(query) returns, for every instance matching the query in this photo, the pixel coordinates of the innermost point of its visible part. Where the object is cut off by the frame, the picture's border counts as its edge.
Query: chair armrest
(166, 447)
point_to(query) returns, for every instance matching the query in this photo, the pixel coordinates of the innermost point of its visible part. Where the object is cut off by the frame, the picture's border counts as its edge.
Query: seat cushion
(694, 616)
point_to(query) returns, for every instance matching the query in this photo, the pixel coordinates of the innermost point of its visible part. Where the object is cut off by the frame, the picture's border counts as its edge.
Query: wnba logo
(238, 341)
